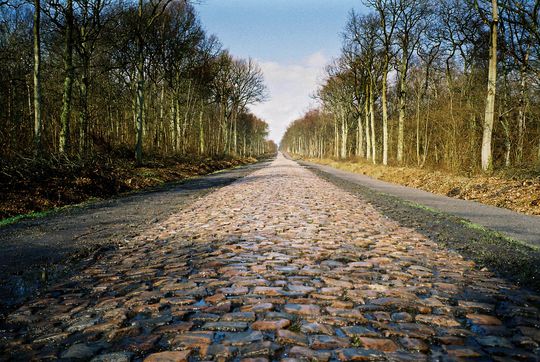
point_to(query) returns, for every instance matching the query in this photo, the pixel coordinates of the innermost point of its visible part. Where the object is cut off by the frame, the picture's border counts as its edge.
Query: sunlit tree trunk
(201, 131)
(418, 98)
(522, 112)
(507, 143)
(402, 95)
(178, 124)
(489, 117)
(372, 118)
(235, 137)
(65, 118)
(385, 108)
(359, 136)
(140, 88)
(344, 133)
(38, 122)
(367, 124)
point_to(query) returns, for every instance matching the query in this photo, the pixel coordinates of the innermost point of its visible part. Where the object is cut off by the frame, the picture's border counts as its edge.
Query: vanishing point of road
(280, 265)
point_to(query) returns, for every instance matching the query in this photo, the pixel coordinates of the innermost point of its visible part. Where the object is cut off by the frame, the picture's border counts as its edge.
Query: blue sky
(292, 40)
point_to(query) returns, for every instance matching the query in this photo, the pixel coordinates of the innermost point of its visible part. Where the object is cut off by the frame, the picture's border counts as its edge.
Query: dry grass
(520, 194)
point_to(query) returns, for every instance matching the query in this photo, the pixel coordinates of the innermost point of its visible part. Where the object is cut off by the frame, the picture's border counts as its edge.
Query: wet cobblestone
(279, 266)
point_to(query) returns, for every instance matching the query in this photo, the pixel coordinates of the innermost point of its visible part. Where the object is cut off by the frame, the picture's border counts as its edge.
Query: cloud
(291, 87)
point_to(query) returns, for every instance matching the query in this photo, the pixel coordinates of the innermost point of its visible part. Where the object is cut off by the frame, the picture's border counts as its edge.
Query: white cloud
(291, 87)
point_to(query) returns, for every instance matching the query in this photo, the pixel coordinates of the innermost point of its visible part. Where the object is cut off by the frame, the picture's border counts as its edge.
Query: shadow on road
(38, 251)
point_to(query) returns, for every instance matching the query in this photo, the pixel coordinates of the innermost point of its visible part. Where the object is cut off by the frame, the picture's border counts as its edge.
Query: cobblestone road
(283, 266)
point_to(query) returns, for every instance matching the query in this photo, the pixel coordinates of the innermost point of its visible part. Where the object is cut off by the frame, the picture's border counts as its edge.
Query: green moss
(356, 342)
(295, 327)
(32, 215)
(422, 207)
(40, 214)
(491, 234)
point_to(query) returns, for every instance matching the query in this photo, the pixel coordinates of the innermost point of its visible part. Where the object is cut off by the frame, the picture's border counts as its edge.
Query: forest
(450, 84)
(86, 84)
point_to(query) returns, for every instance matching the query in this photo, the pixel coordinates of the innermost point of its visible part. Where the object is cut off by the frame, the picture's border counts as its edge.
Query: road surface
(280, 265)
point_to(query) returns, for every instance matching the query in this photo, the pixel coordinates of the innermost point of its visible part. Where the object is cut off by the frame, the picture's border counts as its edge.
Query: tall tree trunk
(161, 129)
(372, 119)
(360, 136)
(344, 133)
(507, 143)
(418, 98)
(140, 88)
(84, 114)
(38, 122)
(522, 111)
(402, 95)
(234, 135)
(489, 118)
(336, 138)
(29, 98)
(367, 127)
(178, 126)
(385, 109)
(201, 130)
(174, 112)
(65, 118)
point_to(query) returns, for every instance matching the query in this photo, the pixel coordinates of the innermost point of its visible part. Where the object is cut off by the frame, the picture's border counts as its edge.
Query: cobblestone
(279, 266)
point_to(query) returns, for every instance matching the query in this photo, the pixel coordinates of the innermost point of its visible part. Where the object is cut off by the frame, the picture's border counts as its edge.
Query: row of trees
(84, 76)
(451, 83)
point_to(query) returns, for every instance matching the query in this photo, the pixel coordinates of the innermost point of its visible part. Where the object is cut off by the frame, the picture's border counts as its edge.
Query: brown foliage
(29, 185)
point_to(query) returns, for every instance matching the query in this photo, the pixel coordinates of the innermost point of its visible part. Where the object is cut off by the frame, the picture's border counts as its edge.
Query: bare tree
(389, 13)
(248, 88)
(412, 21)
(146, 15)
(69, 68)
(62, 15)
(489, 117)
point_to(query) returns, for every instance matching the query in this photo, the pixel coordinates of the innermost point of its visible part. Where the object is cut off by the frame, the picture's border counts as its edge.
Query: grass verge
(518, 191)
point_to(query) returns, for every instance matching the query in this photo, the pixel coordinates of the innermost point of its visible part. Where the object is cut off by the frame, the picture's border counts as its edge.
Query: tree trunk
(507, 143)
(372, 118)
(160, 129)
(65, 118)
(140, 89)
(84, 114)
(29, 98)
(174, 111)
(402, 95)
(201, 131)
(360, 136)
(189, 104)
(344, 133)
(489, 118)
(522, 112)
(235, 136)
(418, 97)
(367, 127)
(178, 126)
(38, 123)
(385, 109)
(336, 138)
